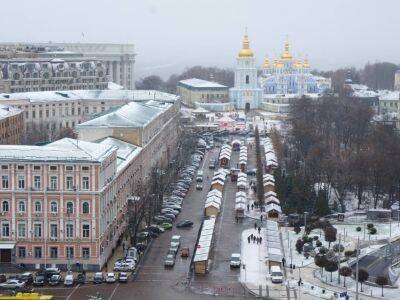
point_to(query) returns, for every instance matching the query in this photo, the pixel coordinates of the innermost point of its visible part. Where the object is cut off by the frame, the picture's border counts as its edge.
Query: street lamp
(305, 221)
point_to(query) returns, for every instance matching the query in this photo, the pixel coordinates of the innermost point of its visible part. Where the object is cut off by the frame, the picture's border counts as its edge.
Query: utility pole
(358, 250)
(339, 258)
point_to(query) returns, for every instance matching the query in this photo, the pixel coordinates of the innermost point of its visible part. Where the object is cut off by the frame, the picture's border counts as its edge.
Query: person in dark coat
(283, 262)
(248, 239)
(259, 230)
(252, 206)
(248, 207)
(260, 239)
(255, 225)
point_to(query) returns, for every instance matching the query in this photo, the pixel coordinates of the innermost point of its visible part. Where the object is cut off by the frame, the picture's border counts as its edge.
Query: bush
(306, 255)
(370, 225)
(318, 243)
(338, 248)
(305, 239)
(372, 230)
(315, 237)
(358, 228)
(297, 229)
(323, 250)
(299, 246)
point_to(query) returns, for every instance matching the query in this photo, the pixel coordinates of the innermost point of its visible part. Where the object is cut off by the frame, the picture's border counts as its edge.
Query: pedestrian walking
(237, 219)
(255, 225)
(252, 206)
(254, 240)
(260, 239)
(261, 217)
(248, 207)
(248, 239)
(283, 262)
(259, 230)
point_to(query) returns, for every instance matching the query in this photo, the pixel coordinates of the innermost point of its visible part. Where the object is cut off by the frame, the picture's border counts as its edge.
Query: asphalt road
(156, 282)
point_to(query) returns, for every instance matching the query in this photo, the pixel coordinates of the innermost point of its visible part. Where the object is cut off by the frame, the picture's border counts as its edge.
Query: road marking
(73, 291)
(113, 292)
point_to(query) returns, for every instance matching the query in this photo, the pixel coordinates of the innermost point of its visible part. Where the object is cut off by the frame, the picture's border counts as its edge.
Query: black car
(27, 277)
(184, 223)
(39, 280)
(81, 278)
(140, 247)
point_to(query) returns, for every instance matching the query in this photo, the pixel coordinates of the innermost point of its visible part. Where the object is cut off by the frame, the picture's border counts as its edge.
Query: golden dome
(306, 64)
(298, 64)
(246, 51)
(286, 54)
(266, 63)
(278, 63)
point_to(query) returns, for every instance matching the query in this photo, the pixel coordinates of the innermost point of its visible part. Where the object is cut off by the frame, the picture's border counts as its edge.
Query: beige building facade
(11, 125)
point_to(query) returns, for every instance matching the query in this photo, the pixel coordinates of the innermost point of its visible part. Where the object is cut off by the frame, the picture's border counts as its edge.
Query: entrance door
(5, 255)
(247, 107)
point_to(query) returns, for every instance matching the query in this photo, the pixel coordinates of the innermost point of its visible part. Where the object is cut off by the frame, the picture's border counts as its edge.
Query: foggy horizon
(170, 36)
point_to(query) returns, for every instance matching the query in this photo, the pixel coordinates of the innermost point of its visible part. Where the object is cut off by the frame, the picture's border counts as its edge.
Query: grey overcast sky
(170, 35)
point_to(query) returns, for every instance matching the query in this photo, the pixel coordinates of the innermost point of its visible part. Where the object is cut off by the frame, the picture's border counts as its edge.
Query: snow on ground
(307, 288)
(253, 256)
(374, 291)
(384, 230)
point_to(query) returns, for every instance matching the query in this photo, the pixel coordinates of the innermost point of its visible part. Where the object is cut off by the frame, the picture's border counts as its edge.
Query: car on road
(110, 278)
(48, 272)
(235, 260)
(98, 277)
(184, 224)
(55, 279)
(175, 241)
(166, 225)
(169, 211)
(26, 277)
(39, 280)
(276, 274)
(251, 172)
(185, 252)
(169, 217)
(172, 251)
(155, 228)
(199, 186)
(169, 260)
(69, 280)
(123, 277)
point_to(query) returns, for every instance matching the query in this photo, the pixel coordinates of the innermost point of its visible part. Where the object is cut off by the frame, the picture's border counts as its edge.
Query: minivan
(276, 274)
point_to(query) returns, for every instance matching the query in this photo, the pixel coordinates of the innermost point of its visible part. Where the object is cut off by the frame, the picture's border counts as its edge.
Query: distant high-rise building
(397, 80)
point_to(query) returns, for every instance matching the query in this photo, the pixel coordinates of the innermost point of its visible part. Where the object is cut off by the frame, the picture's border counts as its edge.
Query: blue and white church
(281, 81)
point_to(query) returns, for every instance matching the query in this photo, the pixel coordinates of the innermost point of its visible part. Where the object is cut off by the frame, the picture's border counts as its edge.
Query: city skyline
(210, 33)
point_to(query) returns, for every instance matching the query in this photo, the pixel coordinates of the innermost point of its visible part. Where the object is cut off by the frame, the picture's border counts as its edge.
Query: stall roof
(273, 206)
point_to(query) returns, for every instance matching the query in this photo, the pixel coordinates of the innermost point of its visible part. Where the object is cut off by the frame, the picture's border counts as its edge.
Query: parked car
(235, 260)
(166, 226)
(123, 277)
(98, 277)
(156, 228)
(12, 284)
(199, 186)
(169, 261)
(118, 264)
(169, 211)
(142, 236)
(184, 223)
(170, 217)
(39, 280)
(175, 241)
(185, 252)
(55, 279)
(69, 280)
(172, 251)
(132, 253)
(276, 274)
(140, 247)
(81, 278)
(172, 206)
(49, 272)
(3, 278)
(110, 278)
(26, 277)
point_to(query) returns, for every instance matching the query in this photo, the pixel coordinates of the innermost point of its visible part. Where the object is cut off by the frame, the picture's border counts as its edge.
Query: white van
(69, 280)
(276, 274)
(132, 253)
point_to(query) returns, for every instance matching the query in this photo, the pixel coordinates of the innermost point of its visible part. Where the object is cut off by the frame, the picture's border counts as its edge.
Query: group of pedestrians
(253, 238)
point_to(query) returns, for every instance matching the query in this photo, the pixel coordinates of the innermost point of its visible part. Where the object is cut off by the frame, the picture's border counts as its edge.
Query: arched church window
(247, 79)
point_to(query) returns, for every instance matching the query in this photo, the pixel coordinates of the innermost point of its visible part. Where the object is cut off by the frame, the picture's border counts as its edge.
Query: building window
(21, 230)
(20, 167)
(21, 182)
(69, 182)
(38, 206)
(4, 181)
(53, 252)
(36, 168)
(5, 206)
(85, 168)
(85, 207)
(53, 207)
(21, 252)
(85, 183)
(53, 182)
(70, 207)
(70, 252)
(53, 168)
(37, 182)
(69, 168)
(37, 251)
(69, 228)
(5, 230)
(37, 230)
(85, 230)
(21, 206)
(53, 230)
(85, 253)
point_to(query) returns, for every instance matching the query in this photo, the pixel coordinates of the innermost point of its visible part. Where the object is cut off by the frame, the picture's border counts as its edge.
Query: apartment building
(67, 201)
(11, 125)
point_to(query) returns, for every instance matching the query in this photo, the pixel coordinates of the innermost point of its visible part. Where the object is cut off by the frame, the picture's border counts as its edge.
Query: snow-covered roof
(273, 206)
(66, 149)
(392, 96)
(133, 114)
(200, 83)
(212, 204)
(87, 95)
(8, 111)
(214, 192)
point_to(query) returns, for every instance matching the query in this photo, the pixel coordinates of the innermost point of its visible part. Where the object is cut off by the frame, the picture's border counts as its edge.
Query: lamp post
(305, 221)
(358, 250)
(68, 245)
